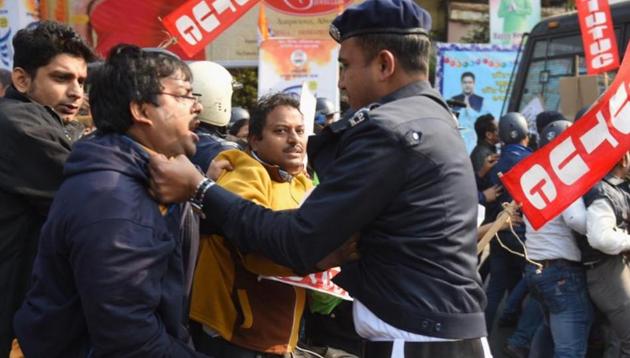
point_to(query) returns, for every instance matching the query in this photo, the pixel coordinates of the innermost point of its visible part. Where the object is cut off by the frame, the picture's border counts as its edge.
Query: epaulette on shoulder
(358, 117)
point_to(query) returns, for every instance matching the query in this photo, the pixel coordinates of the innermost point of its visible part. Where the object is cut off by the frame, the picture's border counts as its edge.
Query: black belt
(559, 262)
(466, 348)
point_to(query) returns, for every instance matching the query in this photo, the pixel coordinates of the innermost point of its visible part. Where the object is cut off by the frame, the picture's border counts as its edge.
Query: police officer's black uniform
(398, 174)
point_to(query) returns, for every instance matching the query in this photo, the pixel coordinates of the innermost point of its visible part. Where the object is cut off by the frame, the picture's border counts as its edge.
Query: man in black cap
(397, 173)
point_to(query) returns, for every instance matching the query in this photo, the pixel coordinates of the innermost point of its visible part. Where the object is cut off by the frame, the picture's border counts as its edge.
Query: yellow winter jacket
(228, 296)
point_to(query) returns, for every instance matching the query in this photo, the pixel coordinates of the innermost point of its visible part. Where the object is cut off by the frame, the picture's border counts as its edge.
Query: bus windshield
(551, 59)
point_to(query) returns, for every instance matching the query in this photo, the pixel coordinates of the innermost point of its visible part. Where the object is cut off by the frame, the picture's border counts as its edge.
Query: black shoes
(515, 352)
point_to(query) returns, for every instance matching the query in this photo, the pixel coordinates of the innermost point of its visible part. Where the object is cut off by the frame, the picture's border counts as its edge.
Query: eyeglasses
(195, 96)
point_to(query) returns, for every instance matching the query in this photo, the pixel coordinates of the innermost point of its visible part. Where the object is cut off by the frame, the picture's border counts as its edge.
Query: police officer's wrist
(200, 192)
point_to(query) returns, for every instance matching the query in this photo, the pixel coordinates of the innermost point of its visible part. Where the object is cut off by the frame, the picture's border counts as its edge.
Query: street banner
(286, 64)
(197, 22)
(598, 36)
(304, 19)
(476, 75)
(14, 15)
(510, 19)
(552, 178)
(319, 281)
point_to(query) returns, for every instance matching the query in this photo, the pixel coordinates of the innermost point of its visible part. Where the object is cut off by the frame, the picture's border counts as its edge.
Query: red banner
(598, 35)
(196, 23)
(552, 178)
(319, 281)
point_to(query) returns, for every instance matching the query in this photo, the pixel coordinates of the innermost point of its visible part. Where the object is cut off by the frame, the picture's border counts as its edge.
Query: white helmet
(214, 83)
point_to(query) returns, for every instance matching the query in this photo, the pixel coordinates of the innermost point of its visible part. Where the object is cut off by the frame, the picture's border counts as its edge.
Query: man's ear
(252, 141)
(139, 113)
(387, 64)
(21, 79)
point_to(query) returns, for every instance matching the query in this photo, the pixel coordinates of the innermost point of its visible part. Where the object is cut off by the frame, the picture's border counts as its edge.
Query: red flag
(598, 36)
(552, 178)
(197, 22)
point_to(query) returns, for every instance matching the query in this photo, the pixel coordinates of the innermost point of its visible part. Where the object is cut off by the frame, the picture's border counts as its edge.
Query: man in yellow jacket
(237, 312)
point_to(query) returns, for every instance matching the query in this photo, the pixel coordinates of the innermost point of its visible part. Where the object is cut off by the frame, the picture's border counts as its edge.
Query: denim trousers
(528, 324)
(561, 289)
(505, 273)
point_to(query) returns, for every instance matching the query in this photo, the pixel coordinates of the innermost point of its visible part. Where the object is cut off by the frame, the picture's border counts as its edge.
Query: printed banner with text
(598, 36)
(14, 15)
(197, 22)
(476, 75)
(552, 178)
(285, 64)
(510, 19)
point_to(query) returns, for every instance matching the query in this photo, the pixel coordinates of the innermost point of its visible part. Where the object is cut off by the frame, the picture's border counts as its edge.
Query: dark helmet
(324, 106)
(512, 128)
(238, 113)
(546, 117)
(552, 130)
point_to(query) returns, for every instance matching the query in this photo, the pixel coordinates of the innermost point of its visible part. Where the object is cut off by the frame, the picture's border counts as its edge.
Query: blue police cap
(381, 17)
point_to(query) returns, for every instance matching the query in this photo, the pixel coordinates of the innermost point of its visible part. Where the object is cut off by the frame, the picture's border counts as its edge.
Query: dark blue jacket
(511, 154)
(108, 277)
(399, 176)
(209, 145)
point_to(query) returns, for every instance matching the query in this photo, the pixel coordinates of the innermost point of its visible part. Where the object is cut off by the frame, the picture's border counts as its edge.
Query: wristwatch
(196, 201)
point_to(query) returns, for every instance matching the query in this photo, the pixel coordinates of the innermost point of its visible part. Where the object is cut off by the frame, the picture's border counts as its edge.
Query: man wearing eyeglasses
(110, 278)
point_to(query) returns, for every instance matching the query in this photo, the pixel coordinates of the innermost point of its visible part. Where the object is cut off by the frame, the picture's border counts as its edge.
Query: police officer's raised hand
(173, 180)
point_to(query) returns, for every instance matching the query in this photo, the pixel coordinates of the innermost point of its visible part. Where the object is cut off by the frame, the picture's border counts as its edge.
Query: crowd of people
(152, 228)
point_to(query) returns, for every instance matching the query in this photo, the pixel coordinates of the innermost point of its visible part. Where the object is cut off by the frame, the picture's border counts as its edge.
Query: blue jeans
(528, 324)
(514, 302)
(505, 273)
(562, 291)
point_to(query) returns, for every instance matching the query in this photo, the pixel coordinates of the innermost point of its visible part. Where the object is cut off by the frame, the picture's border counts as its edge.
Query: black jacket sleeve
(34, 150)
(363, 179)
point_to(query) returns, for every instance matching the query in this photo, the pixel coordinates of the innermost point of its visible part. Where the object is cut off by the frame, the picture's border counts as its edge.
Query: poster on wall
(477, 77)
(305, 19)
(285, 64)
(509, 19)
(14, 15)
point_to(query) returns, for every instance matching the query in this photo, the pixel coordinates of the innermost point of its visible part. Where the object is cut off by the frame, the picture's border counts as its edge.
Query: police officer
(324, 113)
(239, 118)
(397, 173)
(505, 267)
(214, 83)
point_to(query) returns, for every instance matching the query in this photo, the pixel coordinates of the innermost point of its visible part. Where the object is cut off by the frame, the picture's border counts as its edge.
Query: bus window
(553, 58)
(563, 46)
(543, 80)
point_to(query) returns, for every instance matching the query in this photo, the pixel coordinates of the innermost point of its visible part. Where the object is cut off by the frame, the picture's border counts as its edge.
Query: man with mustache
(239, 314)
(49, 71)
(397, 173)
